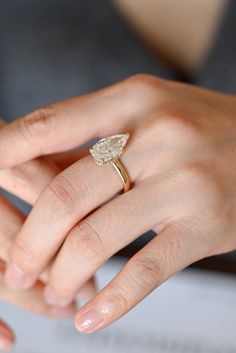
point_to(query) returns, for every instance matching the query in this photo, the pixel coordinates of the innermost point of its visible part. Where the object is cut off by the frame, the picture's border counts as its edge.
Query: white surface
(194, 312)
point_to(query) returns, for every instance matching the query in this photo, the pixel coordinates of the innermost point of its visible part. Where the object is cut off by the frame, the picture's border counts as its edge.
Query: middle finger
(66, 200)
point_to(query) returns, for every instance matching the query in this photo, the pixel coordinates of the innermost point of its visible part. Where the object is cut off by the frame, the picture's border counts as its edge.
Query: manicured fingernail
(53, 298)
(5, 344)
(89, 322)
(62, 313)
(16, 278)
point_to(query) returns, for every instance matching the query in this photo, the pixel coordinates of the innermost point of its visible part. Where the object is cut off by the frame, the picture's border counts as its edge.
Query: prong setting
(109, 149)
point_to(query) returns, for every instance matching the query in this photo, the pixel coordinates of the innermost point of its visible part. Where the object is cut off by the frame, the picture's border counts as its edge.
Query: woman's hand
(27, 181)
(181, 157)
(31, 300)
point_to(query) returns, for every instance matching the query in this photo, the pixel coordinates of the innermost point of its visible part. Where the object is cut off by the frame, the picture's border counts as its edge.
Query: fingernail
(89, 322)
(53, 298)
(5, 344)
(16, 278)
(62, 313)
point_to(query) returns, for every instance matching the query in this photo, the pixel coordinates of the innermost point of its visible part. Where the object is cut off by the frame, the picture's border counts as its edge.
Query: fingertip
(89, 321)
(5, 344)
(7, 338)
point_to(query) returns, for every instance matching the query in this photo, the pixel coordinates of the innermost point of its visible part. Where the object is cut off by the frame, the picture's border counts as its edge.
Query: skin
(27, 181)
(172, 28)
(181, 158)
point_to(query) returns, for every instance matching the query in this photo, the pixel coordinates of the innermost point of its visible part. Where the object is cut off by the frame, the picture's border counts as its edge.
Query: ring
(108, 150)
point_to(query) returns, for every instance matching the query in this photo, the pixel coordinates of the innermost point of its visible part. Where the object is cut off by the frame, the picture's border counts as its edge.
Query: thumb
(7, 337)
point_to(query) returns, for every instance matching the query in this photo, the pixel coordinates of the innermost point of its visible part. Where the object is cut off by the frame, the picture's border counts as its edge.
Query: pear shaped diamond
(108, 149)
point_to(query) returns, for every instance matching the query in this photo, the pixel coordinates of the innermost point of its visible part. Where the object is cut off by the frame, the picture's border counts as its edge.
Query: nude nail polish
(89, 321)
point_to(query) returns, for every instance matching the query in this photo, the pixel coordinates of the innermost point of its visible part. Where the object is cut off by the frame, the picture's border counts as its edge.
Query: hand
(31, 300)
(181, 157)
(27, 181)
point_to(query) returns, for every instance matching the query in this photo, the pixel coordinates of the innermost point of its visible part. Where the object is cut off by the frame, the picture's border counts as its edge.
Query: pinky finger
(169, 252)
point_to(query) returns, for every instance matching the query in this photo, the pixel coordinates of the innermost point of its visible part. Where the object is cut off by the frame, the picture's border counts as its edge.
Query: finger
(168, 253)
(7, 337)
(27, 180)
(69, 124)
(11, 221)
(65, 159)
(96, 238)
(68, 198)
(88, 290)
(32, 300)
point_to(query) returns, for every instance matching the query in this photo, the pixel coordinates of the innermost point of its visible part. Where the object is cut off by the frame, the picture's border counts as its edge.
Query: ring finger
(96, 238)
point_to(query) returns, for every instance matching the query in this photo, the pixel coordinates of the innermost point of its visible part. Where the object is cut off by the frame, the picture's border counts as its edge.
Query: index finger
(64, 125)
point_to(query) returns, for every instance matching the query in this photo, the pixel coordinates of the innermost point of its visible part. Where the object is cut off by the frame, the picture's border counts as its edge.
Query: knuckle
(200, 191)
(146, 272)
(87, 241)
(145, 86)
(120, 296)
(144, 80)
(177, 125)
(199, 176)
(24, 257)
(37, 124)
(63, 191)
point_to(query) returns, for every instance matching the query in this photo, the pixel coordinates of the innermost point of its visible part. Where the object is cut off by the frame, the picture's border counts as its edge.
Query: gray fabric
(51, 50)
(219, 71)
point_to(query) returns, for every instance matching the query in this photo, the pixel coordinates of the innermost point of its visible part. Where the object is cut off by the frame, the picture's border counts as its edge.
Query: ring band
(107, 151)
(122, 173)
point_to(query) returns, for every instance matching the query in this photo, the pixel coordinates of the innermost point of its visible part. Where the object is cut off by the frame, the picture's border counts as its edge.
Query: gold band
(108, 150)
(122, 173)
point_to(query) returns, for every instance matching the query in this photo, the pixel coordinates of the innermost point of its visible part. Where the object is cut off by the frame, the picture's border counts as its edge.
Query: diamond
(108, 149)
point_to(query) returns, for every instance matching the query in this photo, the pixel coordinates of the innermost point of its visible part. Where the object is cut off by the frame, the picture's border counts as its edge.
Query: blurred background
(55, 49)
